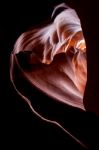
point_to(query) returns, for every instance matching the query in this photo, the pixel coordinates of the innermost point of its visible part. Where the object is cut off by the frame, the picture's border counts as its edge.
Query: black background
(21, 127)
